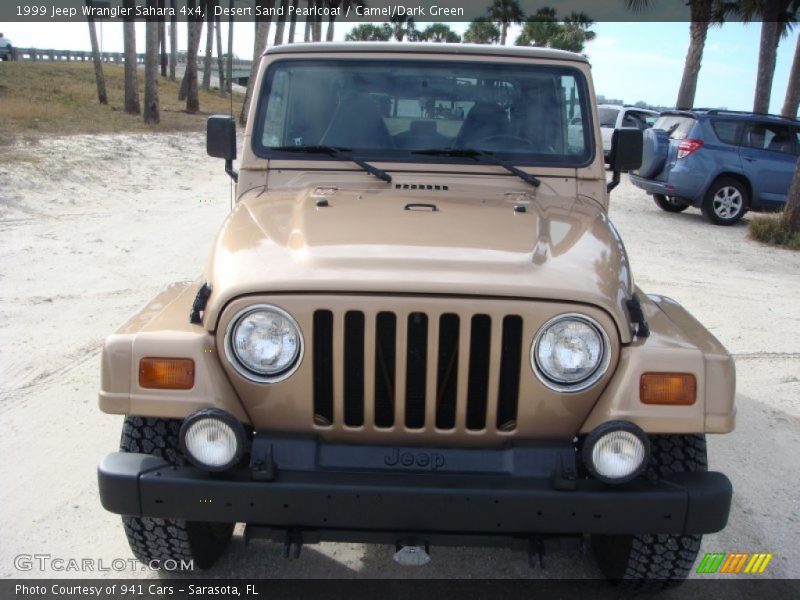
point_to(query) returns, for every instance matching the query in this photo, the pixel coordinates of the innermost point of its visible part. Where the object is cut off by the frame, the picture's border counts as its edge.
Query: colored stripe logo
(734, 562)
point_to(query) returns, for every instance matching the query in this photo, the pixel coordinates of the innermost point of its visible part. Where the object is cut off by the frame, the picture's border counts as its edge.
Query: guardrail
(110, 57)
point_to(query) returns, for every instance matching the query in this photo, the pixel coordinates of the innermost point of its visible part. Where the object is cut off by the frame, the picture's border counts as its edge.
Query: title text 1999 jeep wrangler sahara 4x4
(419, 326)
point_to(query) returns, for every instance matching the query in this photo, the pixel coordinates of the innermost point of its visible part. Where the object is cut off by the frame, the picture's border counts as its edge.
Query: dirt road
(100, 224)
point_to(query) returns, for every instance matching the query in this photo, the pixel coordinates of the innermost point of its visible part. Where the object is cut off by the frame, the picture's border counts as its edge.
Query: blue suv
(723, 162)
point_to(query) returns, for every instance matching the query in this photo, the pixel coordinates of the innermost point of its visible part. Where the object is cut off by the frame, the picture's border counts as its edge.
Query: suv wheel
(671, 204)
(154, 541)
(655, 560)
(726, 201)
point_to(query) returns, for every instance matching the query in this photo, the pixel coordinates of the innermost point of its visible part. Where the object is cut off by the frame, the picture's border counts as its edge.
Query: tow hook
(412, 556)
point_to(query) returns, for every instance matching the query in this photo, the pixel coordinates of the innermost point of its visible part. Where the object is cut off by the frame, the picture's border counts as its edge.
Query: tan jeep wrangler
(418, 326)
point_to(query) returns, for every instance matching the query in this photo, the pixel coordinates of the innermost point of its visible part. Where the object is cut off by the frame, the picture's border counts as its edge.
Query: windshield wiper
(479, 156)
(337, 151)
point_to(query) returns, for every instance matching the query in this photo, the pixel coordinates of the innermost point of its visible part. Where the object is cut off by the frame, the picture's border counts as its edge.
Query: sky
(630, 61)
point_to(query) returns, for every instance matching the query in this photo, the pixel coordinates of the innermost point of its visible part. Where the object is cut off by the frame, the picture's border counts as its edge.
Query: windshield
(676, 126)
(608, 117)
(392, 109)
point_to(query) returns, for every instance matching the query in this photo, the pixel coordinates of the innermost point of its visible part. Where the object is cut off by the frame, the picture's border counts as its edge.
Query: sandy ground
(102, 223)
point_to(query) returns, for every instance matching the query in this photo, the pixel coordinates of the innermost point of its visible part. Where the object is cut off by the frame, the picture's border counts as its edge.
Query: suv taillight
(686, 147)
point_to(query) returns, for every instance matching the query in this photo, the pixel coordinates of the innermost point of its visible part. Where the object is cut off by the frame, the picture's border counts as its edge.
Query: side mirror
(221, 141)
(626, 153)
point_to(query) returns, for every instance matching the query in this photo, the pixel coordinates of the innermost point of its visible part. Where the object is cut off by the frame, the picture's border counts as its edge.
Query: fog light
(212, 439)
(616, 452)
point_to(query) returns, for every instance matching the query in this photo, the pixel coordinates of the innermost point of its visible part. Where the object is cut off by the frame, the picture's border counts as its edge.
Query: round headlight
(264, 343)
(616, 452)
(212, 439)
(570, 353)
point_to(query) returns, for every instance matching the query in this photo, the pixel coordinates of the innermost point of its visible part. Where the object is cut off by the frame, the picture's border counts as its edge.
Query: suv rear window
(677, 126)
(729, 132)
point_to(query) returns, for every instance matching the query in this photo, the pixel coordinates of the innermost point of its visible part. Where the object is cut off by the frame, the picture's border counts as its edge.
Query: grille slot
(447, 372)
(416, 369)
(478, 387)
(510, 361)
(385, 349)
(323, 367)
(441, 371)
(354, 368)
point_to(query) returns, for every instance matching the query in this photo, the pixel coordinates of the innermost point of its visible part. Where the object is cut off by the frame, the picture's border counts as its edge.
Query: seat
(780, 142)
(485, 119)
(356, 123)
(421, 134)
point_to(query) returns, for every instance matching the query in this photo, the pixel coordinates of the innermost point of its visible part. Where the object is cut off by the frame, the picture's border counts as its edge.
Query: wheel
(726, 201)
(655, 560)
(671, 204)
(154, 541)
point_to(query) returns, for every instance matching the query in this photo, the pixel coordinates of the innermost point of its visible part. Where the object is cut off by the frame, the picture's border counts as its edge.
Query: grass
(60, 98)
(775, 230)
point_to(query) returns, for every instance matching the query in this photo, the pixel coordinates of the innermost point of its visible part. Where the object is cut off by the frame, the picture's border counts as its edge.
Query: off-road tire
(154, 541)
(655, 560)
(733, 188)
(671, 204)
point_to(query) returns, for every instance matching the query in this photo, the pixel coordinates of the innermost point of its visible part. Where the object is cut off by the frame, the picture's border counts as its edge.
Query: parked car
(6, 48)
(417, 330)
(615, 116)
(723, 162)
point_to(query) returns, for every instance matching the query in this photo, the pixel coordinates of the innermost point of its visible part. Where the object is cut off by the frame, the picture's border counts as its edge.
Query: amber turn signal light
(166, 373)
(679, 389)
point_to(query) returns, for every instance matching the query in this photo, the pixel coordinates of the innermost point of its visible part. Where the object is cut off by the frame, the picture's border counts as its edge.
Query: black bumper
(438, 502)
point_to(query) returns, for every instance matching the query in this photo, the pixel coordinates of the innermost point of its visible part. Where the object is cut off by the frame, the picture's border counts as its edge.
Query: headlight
(616, 452)
(212, 439)
(264, 343)
(570, 353)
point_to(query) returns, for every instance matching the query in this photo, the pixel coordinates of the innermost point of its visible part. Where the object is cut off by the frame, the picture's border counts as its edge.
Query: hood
(456, 240)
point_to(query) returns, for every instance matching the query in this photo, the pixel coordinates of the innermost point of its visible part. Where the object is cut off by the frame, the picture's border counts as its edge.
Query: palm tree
(173, 41)
(702, 15)
(162, 39)
(209, 55)
(482, 31)
(188, 89)
(293, 21)
(793, 88)
(220, 61)
(262, 26)
(131, 78)
(151, 108)
(98, 62)
(229, 62)
(367, 32)
(544, 30)
(441, 33)
(402, 27)
(505, 12)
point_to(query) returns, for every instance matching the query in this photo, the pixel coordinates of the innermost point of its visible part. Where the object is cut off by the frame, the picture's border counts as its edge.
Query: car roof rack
(724, 111)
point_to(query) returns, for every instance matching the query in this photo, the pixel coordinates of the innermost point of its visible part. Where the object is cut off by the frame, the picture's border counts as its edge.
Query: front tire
(726, 201)
(671, 204)
(655, 560)
(154, 541)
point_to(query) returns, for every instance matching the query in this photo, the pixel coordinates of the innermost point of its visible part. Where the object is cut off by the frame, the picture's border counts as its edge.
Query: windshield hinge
(637, 316)
(199, 304)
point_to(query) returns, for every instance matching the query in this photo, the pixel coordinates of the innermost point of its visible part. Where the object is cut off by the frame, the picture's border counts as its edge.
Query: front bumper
(337, 495)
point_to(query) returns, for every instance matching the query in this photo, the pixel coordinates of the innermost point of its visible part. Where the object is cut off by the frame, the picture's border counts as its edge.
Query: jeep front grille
(416, 370)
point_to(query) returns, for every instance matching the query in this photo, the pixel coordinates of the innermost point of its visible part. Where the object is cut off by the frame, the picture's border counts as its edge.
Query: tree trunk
(793, 87)
(151, 112)
(329, 33)
(793, 202)
(767, 52)
(131, 73)
(503, 33)
(318, 22)
(293, 22)
(190, 76)
(262, 35)
(98, 62)
(194, 29)
(698, 30)
(209, 56)
(220, 61)
(229, 66)
(280, 25)
(307, 34)
(173, 42)
(162, 40)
